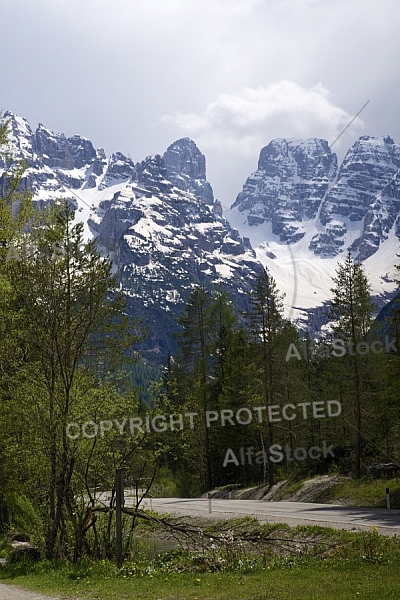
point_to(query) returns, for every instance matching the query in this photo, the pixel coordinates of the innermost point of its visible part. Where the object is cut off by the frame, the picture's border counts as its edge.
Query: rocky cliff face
(157, 218)
(365, 198)
(298, 188)
(291, 180)
(166, 233)
(186, 169)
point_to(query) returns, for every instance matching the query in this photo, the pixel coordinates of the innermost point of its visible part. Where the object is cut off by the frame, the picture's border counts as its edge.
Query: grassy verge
(329, 581)
(302, 563)
(366, 492)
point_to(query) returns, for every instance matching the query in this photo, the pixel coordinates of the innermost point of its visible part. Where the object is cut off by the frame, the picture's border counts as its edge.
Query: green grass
(327, 582)
(290, 488)
(366, 492)
(331, 565)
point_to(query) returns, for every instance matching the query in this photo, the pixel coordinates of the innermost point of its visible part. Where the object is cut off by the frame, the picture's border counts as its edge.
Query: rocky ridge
(298, 213)
(298, 188)
(157, 219)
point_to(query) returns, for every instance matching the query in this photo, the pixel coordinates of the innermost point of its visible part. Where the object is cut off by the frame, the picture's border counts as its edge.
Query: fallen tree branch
(195, 532)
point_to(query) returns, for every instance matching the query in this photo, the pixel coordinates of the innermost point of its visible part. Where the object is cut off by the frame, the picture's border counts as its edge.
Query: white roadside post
(387, 499)
(209, 503)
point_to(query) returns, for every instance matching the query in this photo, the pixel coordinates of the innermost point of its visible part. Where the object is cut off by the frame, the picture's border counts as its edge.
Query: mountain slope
(166, 233)
(302, 215)
(158, 220)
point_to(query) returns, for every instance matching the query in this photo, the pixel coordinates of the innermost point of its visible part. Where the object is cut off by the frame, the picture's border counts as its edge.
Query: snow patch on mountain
(302, 233)
(298, 214)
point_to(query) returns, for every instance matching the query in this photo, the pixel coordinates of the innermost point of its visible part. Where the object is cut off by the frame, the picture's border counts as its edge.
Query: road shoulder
(13, 592)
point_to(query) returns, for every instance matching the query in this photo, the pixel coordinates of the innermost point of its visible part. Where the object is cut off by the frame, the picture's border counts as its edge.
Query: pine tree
(390, 416)
(224, 326)
(266, 322)
(195, 343)
(239, 391)
(351, 310)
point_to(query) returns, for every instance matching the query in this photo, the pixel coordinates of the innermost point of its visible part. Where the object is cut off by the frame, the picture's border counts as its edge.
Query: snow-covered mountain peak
(302, 214)
(288, 186)
(157, 219)
(20, 135)
(165, 232)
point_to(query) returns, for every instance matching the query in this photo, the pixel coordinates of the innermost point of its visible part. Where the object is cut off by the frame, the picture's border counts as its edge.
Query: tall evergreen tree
(195, 341)
(351, 311)
(266, 322)
(239, 391)
(390, 417)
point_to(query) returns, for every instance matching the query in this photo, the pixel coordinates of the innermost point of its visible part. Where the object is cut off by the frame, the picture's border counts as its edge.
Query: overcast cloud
(134, 75)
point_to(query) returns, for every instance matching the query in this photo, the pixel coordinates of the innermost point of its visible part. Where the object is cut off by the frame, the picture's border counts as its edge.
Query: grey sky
(134, 75)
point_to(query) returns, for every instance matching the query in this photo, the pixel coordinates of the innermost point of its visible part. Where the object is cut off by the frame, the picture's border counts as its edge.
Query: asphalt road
(292, 513)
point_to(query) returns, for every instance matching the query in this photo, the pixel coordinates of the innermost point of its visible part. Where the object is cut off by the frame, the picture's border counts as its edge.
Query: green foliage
(228, 363)
(67, 355)
(278, 546)
(142, 376)
(69, 338)
(351, 303)
(24, 517)
(367, 492)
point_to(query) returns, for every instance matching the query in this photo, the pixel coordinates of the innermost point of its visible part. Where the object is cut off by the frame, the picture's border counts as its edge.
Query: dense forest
(248, 399)
(258, 383)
